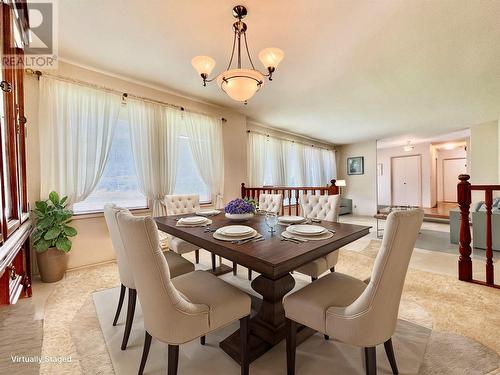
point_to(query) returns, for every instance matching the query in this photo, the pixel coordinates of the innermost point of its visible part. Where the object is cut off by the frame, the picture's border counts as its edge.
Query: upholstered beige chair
(270, 202)
(267, 203)
(321, 207)
(177, 265)
(178, 205)
(182, 309)
(356, 312)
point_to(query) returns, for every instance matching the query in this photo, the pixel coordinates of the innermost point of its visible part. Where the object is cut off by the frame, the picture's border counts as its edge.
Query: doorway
(406, 184)
(452, 168)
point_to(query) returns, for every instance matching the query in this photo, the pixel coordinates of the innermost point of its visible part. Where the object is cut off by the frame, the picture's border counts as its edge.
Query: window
(188, 179)
(118, 183)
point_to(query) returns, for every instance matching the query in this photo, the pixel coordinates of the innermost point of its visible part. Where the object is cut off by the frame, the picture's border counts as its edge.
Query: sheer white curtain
(256, 158)
(76, 125)
(205, 139)
(329, 165)
(313, 166)
(154, 129)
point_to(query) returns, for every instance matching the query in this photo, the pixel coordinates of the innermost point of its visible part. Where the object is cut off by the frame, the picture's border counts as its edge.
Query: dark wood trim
(464, 195)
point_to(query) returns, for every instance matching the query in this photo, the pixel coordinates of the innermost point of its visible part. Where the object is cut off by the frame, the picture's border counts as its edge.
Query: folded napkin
(204, 224)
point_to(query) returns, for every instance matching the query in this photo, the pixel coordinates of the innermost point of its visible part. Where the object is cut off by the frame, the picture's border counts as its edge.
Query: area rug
(458, 322)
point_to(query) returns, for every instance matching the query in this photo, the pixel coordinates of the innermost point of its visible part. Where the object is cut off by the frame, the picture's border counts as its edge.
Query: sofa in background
(345, 206)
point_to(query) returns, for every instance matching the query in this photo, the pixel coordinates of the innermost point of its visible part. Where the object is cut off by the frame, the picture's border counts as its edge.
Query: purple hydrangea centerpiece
(239, 206)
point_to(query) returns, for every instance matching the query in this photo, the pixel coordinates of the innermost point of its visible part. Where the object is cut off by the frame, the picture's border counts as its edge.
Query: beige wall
(362, 189)
(92, 245)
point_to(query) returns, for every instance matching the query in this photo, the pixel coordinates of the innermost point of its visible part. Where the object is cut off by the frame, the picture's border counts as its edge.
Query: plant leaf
(63, 244)
(41, 245)
(54, 198)
(52, 233)
(41, 206)
(70, 231)
(63, 200)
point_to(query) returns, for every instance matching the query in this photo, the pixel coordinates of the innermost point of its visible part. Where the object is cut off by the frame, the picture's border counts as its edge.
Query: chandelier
(239, 83)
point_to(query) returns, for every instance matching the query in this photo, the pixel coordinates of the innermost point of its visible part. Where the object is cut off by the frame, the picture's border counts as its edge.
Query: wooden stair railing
(292, 193)
(464, 189)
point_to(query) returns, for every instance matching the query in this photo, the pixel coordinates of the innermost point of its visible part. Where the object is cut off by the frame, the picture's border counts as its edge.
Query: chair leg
(235, 269)
(123, 289)
(332, 269)
(371, 360)
(244, 333)
(202, 340)
(326, 337)
(197, 256)
(249, 274)
(132, 296)
(313, 278)
(291, 345)
(213, 262)
(173, 359)
(145, 352)
(389, 350)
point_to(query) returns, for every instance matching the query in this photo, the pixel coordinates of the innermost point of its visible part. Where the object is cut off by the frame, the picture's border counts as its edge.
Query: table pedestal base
(267, 326)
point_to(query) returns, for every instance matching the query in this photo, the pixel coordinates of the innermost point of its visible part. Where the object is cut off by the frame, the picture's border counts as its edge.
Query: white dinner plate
(306, 230)
(221, 237)
(291, 219)
(235, 230)
(207, 212)
(192, 220)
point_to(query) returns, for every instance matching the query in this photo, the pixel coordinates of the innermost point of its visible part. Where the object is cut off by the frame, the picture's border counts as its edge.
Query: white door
(452, 168)
(406, 172)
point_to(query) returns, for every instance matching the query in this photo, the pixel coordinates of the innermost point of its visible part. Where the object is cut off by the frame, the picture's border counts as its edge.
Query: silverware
(241, 242)
(258, 239)
(291, 240)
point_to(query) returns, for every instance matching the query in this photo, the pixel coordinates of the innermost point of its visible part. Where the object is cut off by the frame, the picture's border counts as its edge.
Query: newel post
(243, 190)
(333, 189)
(464, 201)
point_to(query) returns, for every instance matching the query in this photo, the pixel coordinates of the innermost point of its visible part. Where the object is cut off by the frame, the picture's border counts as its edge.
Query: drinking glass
(271, 220)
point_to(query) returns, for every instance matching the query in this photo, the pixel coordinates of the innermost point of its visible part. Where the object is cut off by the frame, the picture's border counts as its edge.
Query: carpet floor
(453, 325)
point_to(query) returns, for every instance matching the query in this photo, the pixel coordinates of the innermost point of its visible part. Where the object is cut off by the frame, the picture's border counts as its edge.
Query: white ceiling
(353, 70)
(422, 137)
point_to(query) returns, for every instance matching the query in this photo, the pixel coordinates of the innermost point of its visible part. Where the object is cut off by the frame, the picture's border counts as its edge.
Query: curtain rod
(290, 140)
(124, 95)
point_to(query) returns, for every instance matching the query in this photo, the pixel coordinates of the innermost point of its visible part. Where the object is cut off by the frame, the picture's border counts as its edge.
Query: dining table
(274, 258)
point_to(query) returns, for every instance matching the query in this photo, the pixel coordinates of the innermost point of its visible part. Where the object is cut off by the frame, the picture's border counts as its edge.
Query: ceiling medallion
(239, 83)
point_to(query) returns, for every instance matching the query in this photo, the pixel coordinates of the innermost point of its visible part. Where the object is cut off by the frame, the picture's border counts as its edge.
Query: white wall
(362, 189)
(384, 157)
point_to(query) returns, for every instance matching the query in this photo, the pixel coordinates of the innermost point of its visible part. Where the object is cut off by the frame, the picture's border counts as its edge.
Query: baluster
(283, 202)
(464, 201)
(243, 190)
(488, 201)
(290, 202)
(297, 193)
(253, 194)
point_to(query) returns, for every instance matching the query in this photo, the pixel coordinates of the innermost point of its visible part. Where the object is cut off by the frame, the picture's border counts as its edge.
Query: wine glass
(271, 220)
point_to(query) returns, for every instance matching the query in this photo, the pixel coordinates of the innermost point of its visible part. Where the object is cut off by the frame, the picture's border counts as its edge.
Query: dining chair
(361, 313)
(177, 265)
(179, 204)
(321, 207)
(267, 203)
(182, 309)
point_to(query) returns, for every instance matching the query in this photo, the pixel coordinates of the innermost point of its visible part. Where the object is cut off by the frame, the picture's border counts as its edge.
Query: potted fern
(51, 237)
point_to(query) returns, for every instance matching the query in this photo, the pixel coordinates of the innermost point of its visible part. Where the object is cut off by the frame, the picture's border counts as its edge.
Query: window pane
(118, 183)
(188, 179)
(5, 156)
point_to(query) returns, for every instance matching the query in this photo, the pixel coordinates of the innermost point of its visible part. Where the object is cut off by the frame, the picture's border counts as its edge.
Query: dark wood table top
(271, 257)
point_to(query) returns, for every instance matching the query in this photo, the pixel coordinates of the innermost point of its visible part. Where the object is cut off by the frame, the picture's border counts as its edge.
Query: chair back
(270, 202)
(372, 316)
(110, 212)
(182, 204)
(322, 207)
(168, 315)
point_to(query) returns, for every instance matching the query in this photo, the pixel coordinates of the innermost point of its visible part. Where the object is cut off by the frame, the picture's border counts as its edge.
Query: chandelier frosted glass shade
(240, 84)
(203, 64)
(271, 57)
(237, 82)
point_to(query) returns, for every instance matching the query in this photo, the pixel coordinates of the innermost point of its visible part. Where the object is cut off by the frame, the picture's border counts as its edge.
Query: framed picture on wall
(356, 165)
